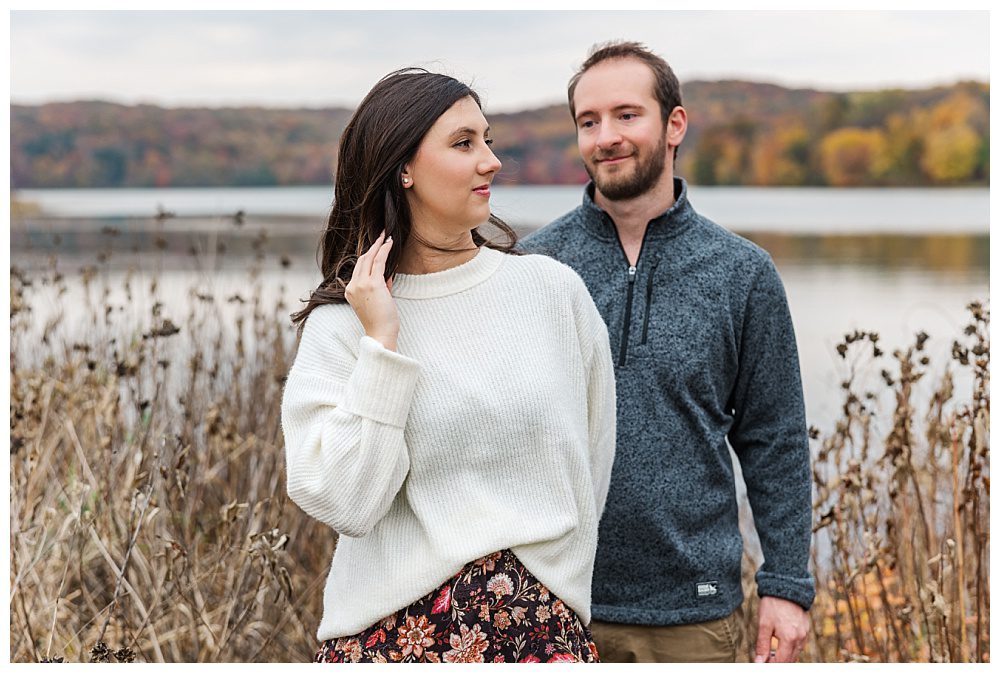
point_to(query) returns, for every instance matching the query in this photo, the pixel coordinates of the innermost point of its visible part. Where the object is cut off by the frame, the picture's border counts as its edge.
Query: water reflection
(957, 256)
(891, 283)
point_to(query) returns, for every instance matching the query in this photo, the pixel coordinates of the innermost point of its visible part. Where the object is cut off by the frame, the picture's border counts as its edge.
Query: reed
(901, 506)
(149, 519)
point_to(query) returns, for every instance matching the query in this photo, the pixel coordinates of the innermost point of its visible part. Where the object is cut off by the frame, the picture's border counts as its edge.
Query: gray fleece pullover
(704, 351)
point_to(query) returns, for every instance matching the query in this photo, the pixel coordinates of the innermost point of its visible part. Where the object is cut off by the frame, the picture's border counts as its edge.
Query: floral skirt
(492, 610)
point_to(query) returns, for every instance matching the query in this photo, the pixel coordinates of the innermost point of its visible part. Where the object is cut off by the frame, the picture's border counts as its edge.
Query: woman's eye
(464, 143)
(489, 141)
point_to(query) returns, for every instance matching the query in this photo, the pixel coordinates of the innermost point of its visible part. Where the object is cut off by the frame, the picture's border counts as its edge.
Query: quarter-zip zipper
(649, 298)
(623, 349)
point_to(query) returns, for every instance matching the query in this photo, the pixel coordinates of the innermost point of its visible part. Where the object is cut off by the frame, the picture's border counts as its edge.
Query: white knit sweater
(493, 427)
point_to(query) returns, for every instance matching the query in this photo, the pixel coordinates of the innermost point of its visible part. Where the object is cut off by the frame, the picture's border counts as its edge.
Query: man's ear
(677, 125)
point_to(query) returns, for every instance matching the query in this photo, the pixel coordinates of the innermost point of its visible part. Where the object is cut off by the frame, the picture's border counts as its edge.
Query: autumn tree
(950, 154)
(739, 133)
(851, 156)
(905, 136)
(953, 147)
(782, 157)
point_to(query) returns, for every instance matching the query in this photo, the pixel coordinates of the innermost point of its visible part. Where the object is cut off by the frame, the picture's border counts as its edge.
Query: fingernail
(758, 660)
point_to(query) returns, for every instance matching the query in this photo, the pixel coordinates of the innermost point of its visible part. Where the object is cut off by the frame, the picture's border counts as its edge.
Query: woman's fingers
(378, 261)
(364, 263)
(368, 296)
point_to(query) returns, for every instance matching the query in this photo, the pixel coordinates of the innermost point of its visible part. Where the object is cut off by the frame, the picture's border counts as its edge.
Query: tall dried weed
(149, 519)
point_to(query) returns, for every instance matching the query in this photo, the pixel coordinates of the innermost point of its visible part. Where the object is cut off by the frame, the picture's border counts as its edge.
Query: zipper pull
(631, 274)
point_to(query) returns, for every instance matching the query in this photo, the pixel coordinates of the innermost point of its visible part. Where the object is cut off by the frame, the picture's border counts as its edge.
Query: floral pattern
(492, 610)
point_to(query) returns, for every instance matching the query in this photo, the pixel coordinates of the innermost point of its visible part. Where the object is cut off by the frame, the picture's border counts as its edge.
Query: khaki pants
(719, 640)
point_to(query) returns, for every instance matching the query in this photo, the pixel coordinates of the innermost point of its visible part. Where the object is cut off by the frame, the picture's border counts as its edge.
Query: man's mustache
(604, 156)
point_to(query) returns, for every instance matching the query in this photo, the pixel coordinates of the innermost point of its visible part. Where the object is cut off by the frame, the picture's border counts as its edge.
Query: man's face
(619, 128)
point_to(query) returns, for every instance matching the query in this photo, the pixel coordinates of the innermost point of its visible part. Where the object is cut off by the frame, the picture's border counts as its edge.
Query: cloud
(516, 59)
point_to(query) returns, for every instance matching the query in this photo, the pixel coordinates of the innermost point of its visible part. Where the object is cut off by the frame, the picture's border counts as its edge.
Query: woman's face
(448, 180)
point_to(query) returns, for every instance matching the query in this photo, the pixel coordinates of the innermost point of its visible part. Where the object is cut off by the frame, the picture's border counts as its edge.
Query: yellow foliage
(959, 108)
(771, 163)
(950, 154)
(729, 164)
(852, 156)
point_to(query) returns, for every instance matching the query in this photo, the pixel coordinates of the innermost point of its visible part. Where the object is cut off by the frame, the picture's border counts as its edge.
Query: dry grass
(149, 519)
(148, 506)
(901, 507)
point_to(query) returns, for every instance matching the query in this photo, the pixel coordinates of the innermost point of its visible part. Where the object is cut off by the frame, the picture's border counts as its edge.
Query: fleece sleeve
(342, 414)
(601, 401)
(770, 439)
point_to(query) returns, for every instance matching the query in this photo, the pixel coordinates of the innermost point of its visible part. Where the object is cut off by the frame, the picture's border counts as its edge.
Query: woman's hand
(368, 294)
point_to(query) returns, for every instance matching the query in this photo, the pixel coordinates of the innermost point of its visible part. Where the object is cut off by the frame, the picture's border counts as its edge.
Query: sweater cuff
(799, 590)
(381, 386)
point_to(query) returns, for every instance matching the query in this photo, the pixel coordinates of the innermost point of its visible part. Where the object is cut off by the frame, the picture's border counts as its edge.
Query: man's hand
(787, 622)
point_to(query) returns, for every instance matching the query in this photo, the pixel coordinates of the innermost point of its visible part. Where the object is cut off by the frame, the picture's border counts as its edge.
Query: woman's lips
(482, 191)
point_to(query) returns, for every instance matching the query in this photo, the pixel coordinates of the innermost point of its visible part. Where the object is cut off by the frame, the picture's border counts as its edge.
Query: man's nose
(607, 137)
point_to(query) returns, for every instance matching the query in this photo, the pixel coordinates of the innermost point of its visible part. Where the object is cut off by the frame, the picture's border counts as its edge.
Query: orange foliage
(739, 133)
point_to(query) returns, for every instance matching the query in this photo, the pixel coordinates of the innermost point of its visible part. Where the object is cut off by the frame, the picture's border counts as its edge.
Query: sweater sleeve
(770, 439)
(343, 414)
(601, 401)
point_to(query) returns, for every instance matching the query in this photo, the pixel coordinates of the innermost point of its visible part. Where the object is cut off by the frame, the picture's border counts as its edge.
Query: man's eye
(587, 124)
(628, 115)
(489, 141)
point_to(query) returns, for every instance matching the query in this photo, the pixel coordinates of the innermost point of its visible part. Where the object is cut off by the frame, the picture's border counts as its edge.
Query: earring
(406, 181)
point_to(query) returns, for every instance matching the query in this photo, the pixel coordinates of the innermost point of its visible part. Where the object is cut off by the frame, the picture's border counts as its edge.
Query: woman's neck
(419, 257)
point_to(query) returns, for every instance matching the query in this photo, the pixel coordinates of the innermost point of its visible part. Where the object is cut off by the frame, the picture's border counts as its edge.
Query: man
(704, 352)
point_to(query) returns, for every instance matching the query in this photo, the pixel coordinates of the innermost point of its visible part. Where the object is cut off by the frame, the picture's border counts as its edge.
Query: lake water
(793, 210)
(896, 261)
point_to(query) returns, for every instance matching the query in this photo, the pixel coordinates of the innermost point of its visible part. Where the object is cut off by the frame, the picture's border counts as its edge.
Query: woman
(450, 412)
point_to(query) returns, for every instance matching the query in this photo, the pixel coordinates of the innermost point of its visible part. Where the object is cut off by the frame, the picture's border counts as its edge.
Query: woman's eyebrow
(467, 129)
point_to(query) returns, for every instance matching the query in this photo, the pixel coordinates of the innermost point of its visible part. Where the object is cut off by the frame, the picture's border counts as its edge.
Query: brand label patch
(706, 589)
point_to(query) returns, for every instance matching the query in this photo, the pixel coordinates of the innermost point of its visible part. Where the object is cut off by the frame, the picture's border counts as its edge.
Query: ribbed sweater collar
(677, 219)
(442, 283)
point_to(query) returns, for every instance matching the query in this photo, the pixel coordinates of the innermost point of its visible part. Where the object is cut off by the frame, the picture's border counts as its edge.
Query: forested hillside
(741, 133)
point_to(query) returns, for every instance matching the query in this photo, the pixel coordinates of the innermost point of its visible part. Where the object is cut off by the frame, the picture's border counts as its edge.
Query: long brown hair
(382, 136)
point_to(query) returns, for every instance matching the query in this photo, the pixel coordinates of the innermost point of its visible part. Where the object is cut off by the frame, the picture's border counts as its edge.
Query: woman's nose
(490, 164)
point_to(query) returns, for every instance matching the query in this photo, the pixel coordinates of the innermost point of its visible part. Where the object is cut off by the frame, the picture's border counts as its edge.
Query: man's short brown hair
(667, 89)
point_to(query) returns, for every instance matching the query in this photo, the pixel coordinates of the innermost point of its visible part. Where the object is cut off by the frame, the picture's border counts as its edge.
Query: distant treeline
(741, 133)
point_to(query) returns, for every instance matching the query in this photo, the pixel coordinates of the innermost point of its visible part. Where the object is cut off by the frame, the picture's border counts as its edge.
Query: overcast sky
(515, 59)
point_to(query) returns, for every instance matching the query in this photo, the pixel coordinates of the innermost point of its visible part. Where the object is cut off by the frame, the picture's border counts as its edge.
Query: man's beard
(645, 175)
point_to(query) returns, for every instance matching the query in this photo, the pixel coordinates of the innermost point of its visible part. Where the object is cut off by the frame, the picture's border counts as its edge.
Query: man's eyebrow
(622, 106)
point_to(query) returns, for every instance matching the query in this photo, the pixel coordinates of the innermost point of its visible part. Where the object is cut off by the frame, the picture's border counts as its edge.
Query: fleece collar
(675, 221)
